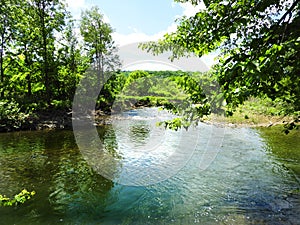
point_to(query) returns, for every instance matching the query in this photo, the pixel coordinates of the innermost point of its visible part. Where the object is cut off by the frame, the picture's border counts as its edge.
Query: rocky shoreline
(58, 119)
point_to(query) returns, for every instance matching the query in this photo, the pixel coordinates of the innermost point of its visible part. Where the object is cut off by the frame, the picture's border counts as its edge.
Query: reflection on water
(285, 148)
(139, 132)
(250, 181)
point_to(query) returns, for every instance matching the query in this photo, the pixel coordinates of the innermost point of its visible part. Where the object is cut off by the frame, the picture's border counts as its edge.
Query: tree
(98, 42)
(29, 60)
(8, 12)
(259, 44)
(50, 18)
(25, 48)
(71, 62)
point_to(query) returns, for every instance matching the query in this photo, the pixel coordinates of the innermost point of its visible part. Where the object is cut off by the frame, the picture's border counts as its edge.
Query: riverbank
(255, 120)
(62, 119)
(50, 120)
(257, 112)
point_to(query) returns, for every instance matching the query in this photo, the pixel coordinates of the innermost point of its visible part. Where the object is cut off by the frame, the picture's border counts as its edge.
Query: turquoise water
(248, 182)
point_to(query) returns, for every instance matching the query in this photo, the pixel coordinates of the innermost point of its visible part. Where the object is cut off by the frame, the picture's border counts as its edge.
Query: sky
(138, 20)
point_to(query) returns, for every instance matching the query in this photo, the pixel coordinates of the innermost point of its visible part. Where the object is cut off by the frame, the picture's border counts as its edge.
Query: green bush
(11, 117)
(61, 104)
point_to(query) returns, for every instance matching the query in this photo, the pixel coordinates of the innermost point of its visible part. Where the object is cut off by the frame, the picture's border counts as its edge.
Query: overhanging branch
(289, 11)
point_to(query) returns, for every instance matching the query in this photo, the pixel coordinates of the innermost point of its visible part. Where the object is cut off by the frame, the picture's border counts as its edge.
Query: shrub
(11, 117)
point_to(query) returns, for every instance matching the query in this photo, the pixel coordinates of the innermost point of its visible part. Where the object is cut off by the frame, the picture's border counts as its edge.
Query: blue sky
(149, 17)
(138, 20)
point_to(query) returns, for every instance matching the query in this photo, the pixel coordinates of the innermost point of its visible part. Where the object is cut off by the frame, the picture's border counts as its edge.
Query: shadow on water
(50, 164)
(253, 180)
(285, 148)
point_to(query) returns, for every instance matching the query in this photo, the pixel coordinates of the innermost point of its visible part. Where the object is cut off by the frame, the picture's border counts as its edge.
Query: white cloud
(75, 7)
(151, 66)
(125, 39)
(190, 10)
(105, 18)
(134, 29)
(137, 36)
(210, 59)
(75, 4)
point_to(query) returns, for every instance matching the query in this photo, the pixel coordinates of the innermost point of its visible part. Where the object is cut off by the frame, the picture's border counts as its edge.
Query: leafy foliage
(41, 61)
(176, 91)
(11, 117)
(259, 45)
(18, 199)
(98, 42)
(203, 97)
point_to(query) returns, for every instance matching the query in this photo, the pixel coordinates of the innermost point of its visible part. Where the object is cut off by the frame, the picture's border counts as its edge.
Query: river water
(252, 178)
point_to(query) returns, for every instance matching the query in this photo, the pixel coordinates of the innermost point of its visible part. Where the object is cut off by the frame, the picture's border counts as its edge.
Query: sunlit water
(252, 180)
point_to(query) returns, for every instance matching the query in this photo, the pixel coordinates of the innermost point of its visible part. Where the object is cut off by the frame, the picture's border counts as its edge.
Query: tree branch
(288, 12)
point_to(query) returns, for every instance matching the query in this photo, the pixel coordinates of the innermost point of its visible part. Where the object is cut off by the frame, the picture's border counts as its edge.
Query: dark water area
(254, 178)
(285, 148)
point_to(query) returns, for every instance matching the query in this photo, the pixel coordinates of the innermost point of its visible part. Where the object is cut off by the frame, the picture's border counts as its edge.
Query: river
(253, 177)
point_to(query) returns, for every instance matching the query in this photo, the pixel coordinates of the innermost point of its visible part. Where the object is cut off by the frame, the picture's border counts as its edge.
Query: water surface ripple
(245, 184)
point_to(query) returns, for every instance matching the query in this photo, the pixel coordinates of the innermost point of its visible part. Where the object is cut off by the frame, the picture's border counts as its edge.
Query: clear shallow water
(249, 182)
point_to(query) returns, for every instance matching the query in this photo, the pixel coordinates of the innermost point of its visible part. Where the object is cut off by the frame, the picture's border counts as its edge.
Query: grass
(256, 112)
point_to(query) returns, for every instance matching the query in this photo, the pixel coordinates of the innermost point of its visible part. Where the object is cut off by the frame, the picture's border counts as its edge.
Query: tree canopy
(98, 41)
(258, 42)
(42, 58)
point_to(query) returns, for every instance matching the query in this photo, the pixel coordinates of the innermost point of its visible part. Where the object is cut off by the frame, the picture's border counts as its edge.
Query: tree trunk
(28, 77)
(45, 53)
(2, 66)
